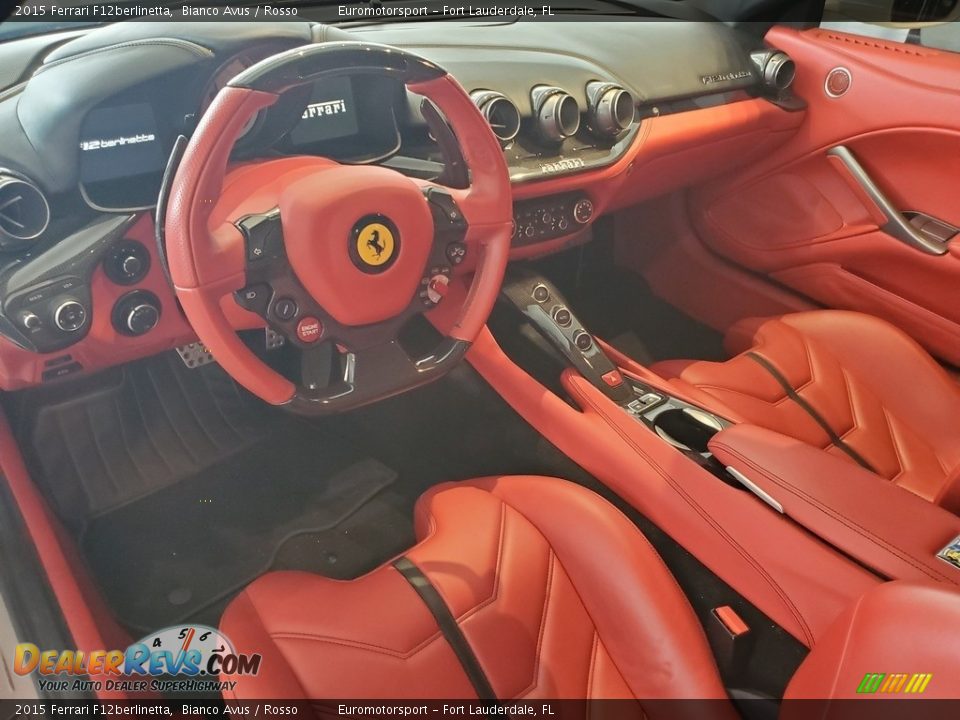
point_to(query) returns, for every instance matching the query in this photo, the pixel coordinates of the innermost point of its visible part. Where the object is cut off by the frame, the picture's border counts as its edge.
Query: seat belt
(448, 626)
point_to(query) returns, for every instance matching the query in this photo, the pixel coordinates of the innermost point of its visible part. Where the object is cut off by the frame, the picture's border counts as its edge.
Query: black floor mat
(135, 430)
(182, 552)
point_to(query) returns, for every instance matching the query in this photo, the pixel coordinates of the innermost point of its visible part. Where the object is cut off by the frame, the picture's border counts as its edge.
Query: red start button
(309, 329)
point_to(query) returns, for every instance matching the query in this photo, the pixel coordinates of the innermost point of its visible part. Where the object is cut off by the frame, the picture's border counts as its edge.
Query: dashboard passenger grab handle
(897, 226)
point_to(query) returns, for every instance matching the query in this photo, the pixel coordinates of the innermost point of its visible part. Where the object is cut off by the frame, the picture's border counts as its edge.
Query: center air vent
(500, 112)
(24, 212)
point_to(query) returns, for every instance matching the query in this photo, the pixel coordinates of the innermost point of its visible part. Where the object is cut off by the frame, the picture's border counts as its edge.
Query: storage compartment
(687, 428)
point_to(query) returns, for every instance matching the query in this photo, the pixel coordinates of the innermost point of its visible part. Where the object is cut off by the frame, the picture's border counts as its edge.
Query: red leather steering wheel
(336, 258)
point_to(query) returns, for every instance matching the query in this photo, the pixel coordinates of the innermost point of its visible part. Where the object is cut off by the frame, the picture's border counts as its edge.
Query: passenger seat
(849, 383)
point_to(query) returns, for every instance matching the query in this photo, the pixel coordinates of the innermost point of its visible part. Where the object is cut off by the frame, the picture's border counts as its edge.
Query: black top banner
(47, 14)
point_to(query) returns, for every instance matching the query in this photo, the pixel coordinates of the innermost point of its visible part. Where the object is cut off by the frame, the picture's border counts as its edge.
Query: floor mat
(136, 431)
(182, 552)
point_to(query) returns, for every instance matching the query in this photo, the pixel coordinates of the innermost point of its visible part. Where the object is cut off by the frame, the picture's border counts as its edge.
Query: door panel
(802, 218)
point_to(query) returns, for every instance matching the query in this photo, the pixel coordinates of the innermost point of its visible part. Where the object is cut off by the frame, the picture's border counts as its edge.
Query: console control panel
(550, 217)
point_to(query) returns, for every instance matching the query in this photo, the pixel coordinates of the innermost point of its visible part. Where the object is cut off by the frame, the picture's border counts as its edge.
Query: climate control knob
(70, 316)
(136, 313)
(127, 263)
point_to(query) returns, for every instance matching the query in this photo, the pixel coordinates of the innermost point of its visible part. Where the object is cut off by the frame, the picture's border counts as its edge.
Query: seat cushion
(557, 593)
(877, 391)
(898, 640)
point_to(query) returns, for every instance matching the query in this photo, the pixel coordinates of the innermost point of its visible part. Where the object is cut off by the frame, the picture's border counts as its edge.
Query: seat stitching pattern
(557, 565)
(593, 664)
(894, 444)
(542, 630)
(495, 593)
(369, 647)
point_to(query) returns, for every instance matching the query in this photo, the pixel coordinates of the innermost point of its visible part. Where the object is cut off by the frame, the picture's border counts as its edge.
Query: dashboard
(577, 107)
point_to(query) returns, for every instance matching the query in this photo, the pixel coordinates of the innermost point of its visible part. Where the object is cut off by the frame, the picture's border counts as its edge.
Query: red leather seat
(902, 634)
(557, 593)
(846, 382)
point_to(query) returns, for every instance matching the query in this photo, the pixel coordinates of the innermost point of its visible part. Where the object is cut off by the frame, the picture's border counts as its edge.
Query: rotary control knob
(583, 211)
(70, 316)
(136, 313)
(142, 319)
(31, 321)
(127, 263)
(583, 340)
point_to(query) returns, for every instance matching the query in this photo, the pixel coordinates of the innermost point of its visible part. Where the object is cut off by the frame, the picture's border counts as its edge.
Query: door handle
(897, 225)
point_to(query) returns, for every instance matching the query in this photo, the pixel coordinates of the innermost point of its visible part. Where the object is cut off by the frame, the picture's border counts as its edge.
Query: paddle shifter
(548, 311)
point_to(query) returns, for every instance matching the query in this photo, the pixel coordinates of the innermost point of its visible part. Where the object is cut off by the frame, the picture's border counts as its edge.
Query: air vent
(24, 212)
(500, 112)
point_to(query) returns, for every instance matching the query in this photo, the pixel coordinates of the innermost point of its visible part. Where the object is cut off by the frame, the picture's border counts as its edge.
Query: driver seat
(544, 590)
(535, 588)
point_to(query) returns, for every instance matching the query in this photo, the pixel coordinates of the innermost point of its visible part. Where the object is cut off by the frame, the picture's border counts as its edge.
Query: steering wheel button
(437, 289)
(456, 252)
(285, 309)
(309, 329)
(255, 297)
(263, 235)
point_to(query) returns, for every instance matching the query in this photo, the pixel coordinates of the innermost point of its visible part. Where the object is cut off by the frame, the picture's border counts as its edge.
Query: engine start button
(309, 329)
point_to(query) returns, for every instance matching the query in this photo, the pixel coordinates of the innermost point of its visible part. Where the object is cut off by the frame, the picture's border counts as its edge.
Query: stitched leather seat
(559, 596)
(883, 397)
(557, 593)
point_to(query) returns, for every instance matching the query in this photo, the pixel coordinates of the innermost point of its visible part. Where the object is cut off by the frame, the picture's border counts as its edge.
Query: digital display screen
(331, 113)
(121, 141)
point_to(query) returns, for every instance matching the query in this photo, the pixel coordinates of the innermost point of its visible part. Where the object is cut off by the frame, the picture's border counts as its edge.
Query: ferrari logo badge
(951, 553)
(374, 244)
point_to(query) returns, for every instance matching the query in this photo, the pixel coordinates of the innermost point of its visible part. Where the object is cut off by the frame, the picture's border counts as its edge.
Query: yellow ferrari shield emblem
(375, 244)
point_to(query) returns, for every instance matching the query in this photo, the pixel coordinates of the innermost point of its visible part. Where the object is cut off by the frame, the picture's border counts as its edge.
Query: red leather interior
(798, 217)
(883, 526)
(558, 594)
(897, 628)
(739, 538)
(879, 391)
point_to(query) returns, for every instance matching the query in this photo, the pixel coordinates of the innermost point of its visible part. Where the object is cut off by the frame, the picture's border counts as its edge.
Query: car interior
(497, 360)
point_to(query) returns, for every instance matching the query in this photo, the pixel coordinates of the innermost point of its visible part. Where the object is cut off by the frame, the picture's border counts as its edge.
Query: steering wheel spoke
(360, 377)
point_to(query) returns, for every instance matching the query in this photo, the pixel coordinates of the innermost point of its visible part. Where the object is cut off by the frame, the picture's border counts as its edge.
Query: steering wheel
(336, 258)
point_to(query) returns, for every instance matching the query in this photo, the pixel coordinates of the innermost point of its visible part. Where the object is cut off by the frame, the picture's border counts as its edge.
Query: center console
(833, 503)
(685, 426)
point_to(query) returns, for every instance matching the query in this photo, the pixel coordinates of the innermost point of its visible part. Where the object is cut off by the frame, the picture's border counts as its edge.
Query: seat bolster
(742, 335)
(896, 628)
(949, 497)
(640, 613)
(275, 678)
